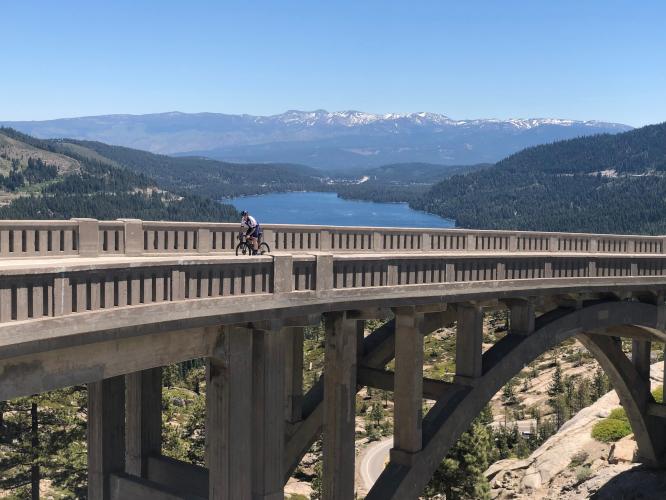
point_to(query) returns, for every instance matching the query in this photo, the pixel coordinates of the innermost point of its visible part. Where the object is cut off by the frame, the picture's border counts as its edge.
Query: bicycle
(245, 247)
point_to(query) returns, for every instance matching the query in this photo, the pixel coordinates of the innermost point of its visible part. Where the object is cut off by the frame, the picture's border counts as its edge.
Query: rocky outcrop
(551, 471)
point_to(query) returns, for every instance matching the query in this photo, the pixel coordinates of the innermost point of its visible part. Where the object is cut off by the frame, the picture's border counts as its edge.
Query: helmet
(244, 213)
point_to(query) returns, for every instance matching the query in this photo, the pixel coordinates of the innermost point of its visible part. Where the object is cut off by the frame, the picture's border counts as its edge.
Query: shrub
(611, 429)
(658, 394)
(618, 414)
(578, 459)
(583, 473)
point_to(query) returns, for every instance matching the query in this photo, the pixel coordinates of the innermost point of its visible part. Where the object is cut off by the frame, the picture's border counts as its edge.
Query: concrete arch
(452, 415)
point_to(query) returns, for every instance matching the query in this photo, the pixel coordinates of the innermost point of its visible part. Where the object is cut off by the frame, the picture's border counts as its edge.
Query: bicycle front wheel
(264, 248)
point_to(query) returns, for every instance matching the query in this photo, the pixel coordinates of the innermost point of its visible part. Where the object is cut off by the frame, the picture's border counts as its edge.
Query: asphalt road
(373, 460)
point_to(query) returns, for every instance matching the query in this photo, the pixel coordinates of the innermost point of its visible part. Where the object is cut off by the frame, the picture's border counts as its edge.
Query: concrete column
(106, 434)
(339, 407)
(640, 357)
(293, 363)
(144, 419)
(469, 337)
(268, 437)
(408, 391)
(203, 240)
(229, 416)
(522, 317)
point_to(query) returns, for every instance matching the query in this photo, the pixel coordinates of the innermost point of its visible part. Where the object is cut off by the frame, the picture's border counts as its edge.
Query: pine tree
(460, 475)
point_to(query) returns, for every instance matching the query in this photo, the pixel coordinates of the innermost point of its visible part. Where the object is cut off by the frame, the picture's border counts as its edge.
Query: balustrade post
(203, 240)
(408, 389)
(471, 242)
(133, 236)
(325, 240)
(377, 241)
(324, 272)
(283, 273)
(553, 243)
(88, 237)
(339, 407)
(513, 243)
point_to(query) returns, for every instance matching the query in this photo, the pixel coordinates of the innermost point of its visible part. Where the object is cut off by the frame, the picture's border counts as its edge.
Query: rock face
(548, 471)
(624, 451)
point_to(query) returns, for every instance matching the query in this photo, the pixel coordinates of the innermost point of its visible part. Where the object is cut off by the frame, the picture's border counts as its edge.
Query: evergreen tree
(460, 475)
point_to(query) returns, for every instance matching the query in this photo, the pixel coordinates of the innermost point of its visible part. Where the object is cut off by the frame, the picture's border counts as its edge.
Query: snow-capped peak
(353, 118)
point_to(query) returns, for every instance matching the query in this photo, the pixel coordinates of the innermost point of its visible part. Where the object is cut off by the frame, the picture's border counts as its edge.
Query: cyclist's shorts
(256, 232)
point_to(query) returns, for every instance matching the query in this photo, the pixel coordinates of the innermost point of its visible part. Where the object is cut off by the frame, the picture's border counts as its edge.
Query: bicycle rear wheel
(243, 249)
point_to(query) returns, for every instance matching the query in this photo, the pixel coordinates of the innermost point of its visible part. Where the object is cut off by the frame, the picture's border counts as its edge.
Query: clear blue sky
(600, 59)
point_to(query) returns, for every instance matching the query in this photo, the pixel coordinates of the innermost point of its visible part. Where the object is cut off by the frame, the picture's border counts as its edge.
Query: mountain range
(344, 139)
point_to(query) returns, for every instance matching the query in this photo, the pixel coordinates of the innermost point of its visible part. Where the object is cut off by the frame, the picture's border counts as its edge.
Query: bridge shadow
(638, 483)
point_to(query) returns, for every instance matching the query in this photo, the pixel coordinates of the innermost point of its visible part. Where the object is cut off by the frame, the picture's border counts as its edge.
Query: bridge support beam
(408, 393)
(144, 419)
(469, 337)
(339, 407)
(293, 365)
(228, 415)
(106, 435)
(268, 436)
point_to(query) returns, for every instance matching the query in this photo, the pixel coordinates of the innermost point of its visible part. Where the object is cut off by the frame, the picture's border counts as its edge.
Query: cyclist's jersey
(251, 224)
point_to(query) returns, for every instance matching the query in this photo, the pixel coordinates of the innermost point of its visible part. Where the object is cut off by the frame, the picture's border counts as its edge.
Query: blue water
(327, 209)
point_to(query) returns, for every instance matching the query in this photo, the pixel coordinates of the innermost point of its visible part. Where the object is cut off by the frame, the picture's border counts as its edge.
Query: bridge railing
(90, 237)
(34, 291)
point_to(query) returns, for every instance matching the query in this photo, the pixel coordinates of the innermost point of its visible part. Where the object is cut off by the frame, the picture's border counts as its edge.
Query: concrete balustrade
(135, 237)
(33, 290)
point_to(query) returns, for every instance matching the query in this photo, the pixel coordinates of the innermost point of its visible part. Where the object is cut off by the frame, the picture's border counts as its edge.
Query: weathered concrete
(111, 298)
(469, 337)
(293, 368)
(144, 419)
(339, 407)
(408, 393)
(453, 414)
(229, 416)
(106, 434)
(268, 434)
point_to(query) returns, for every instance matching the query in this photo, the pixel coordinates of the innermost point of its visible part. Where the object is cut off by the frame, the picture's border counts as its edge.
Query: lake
(326, 209)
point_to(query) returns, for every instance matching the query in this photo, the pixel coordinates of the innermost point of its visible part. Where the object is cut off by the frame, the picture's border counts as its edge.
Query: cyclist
(253, 232)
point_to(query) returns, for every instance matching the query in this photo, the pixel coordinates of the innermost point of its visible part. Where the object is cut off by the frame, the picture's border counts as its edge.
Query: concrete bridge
(108, 303)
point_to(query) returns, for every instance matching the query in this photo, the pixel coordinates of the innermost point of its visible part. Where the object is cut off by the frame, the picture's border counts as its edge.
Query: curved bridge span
(108, 303)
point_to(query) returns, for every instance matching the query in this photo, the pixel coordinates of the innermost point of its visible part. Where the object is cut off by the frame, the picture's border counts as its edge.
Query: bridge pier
(293, 366)
(339, 407)
(408, 392)
(469, 339)
(228, 417)
(268, 436)
(106, 435)
(143, 420)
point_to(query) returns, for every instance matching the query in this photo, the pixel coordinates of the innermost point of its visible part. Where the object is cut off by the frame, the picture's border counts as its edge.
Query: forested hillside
(605, 183)
(51, 180)
(205, 176)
